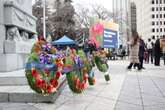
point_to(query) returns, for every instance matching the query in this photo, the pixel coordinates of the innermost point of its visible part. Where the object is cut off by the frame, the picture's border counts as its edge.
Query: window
(164, 29)
(160, 1)
(153, 16)
(153, 2)
(157, 16)
(164, 1)
(164, 15)
(160, 29)
(160, 8)
(153, 30)
(157, 8)
(156, 1)
(160, 15)
(157, 23)
(153, 23)
(164, 22)
(164, 8)
(157, 30)
(160, 22)
(153, 9)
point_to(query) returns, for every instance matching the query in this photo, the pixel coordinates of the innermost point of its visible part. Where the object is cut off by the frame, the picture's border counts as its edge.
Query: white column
(2, 26)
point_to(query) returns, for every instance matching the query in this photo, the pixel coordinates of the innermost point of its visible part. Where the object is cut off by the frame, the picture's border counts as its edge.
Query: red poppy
(40, 83)
(60, 65)
(49, 88)
(54, 82)
(58, 74)
(77, 83)
(34, 73)
(85, 76)
(83, 85)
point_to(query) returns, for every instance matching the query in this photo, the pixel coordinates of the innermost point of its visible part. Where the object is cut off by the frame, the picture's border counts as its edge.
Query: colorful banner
(110, 39)
(99, 31)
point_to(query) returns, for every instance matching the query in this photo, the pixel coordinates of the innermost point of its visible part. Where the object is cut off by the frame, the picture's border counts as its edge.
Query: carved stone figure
(25, 36)
(13, 34)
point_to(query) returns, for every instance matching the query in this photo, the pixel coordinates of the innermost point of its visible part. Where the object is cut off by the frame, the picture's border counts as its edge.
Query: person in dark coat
(157, 51)
(141, 52)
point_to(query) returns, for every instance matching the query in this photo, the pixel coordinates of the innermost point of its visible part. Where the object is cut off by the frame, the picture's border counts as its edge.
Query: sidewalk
(128, 90)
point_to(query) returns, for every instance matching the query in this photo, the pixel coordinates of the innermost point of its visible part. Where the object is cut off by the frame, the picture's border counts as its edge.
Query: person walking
(162, 46)
(141, 52)
(134, 51)
(150, 50)
(157, 52)
(123, 53)
(146, 55)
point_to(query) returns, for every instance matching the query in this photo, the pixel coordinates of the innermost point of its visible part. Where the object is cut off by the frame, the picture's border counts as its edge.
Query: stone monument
(17, 26)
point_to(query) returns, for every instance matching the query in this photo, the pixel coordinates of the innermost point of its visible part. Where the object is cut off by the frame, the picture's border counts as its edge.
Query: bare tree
(62, 19)
(84, 17)
(85, 14)
(101, 12)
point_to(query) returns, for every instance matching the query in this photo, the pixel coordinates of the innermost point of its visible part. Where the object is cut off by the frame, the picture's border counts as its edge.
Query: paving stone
(126, 106)
(119, 94)
(156, 107)
(149, 100)
(101, 104)
(131, 100)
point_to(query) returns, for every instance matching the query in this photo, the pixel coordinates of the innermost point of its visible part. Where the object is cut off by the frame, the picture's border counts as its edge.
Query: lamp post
(44, 24)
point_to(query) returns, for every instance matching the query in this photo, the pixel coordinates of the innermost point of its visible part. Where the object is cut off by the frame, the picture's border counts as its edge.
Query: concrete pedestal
(11, 62)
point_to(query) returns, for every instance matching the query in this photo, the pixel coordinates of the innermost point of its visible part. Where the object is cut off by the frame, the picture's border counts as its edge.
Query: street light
(44, 24)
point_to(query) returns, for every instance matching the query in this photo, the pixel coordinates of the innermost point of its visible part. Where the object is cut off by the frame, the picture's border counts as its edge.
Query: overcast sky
(106, 3)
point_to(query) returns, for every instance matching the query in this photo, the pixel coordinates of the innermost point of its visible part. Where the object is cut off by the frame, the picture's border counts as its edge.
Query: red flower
(85, 77)
(83, 85)
(54, 82)
(34, 73)
(49, 88)
(40, 83)
(77, 83)
(58, 74)
(60, 65)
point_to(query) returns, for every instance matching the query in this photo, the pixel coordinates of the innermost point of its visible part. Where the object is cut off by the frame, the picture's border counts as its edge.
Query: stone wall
(17, 25)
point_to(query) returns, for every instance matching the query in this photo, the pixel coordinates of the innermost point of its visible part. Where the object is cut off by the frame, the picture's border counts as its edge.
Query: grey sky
(106, 3)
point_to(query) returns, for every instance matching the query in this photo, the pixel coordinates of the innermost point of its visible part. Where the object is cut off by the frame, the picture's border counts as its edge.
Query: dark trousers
(141, 61)
(135, 65)
(157, 60)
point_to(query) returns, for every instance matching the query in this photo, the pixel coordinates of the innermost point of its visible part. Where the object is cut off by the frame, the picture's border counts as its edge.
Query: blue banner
(110, 39)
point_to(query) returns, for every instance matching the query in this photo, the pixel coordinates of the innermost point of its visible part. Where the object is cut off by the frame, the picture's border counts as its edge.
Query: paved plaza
(128, 90)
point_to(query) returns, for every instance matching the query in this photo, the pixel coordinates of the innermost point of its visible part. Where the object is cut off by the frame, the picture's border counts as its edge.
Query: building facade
(150, 18)
(133, 17)
(121, 16)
